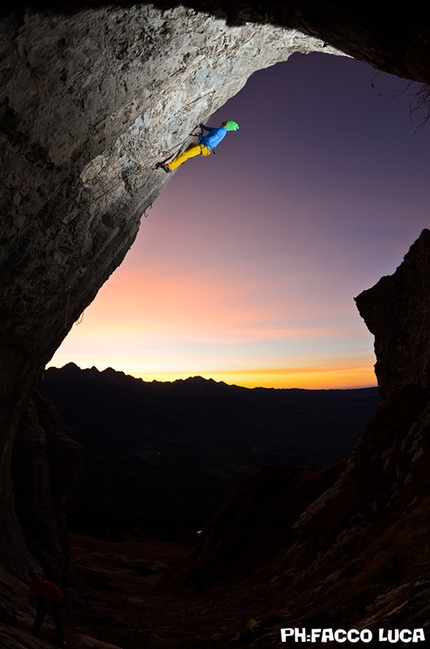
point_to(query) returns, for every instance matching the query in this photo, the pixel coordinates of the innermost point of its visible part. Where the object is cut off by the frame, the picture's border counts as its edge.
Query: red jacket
(47, 590)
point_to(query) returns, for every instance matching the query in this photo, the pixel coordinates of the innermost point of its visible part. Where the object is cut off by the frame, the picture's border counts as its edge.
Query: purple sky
(246, 267)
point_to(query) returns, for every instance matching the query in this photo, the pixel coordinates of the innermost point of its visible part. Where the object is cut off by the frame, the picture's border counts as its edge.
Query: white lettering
(299, 635)
(405, 635)
(353, 635)
(337, 635)
(327, 635)
(286, 633)
(366, 635)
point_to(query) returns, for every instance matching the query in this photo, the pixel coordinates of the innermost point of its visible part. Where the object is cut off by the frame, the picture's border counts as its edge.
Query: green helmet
(231, 126)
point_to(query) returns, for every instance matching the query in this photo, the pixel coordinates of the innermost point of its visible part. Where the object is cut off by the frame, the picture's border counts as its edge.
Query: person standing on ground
(49, 600)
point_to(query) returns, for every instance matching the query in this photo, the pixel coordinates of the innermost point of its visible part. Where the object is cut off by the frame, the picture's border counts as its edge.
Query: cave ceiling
(391, 36)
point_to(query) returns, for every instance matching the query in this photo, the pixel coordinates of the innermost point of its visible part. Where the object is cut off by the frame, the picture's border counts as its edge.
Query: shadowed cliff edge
(345, 547)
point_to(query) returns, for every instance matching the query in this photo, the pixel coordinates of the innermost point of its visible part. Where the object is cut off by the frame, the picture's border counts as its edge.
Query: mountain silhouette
(178, 449)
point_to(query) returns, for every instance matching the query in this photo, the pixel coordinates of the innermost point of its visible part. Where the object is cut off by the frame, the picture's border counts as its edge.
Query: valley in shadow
(162, 458)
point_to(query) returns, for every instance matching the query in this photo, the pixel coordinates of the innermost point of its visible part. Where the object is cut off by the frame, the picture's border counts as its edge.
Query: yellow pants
(193, 150)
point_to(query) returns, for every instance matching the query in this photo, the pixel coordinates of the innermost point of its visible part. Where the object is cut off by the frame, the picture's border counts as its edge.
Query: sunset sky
(246, 267)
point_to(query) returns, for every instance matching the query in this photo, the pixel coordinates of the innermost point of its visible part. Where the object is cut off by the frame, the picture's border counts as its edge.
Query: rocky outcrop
(394, 38)
(44, 468)
(397, 312)
(89, 102)
(346, 540)
(391, 37)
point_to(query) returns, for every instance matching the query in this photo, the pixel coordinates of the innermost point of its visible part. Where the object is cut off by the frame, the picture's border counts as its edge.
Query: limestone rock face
(89, 102)
(391, 37)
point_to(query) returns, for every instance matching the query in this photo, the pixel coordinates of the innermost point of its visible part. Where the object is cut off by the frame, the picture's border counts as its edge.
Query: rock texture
(89, 102)
(90, 98)
(44, 468)
(348, 541)
(391, 37)
(397, 312)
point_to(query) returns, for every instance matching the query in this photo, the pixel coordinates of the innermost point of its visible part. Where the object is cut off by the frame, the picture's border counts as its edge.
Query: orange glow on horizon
(310, 379)
(316, 378)
(166, 326)
(166, 321)
(324, 377)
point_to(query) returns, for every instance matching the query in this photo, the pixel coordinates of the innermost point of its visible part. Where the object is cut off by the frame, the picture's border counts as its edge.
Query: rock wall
(397, 312)
(89, 102)
(44, 467)
(344, 547)
(394, 37)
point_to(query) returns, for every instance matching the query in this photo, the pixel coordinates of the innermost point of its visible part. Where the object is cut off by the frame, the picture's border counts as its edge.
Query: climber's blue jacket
(214, 136)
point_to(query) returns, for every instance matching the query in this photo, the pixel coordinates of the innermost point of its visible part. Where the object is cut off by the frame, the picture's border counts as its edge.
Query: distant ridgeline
(178, 449)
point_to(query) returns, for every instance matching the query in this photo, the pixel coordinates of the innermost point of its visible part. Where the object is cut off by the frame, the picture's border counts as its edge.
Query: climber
(206, 145)
(49, 599)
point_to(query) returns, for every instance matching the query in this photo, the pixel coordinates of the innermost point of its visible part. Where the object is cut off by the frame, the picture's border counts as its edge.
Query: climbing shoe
(162, 165)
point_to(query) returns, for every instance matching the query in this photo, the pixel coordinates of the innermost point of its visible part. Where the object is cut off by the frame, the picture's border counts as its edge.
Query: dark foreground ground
(116, 597)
